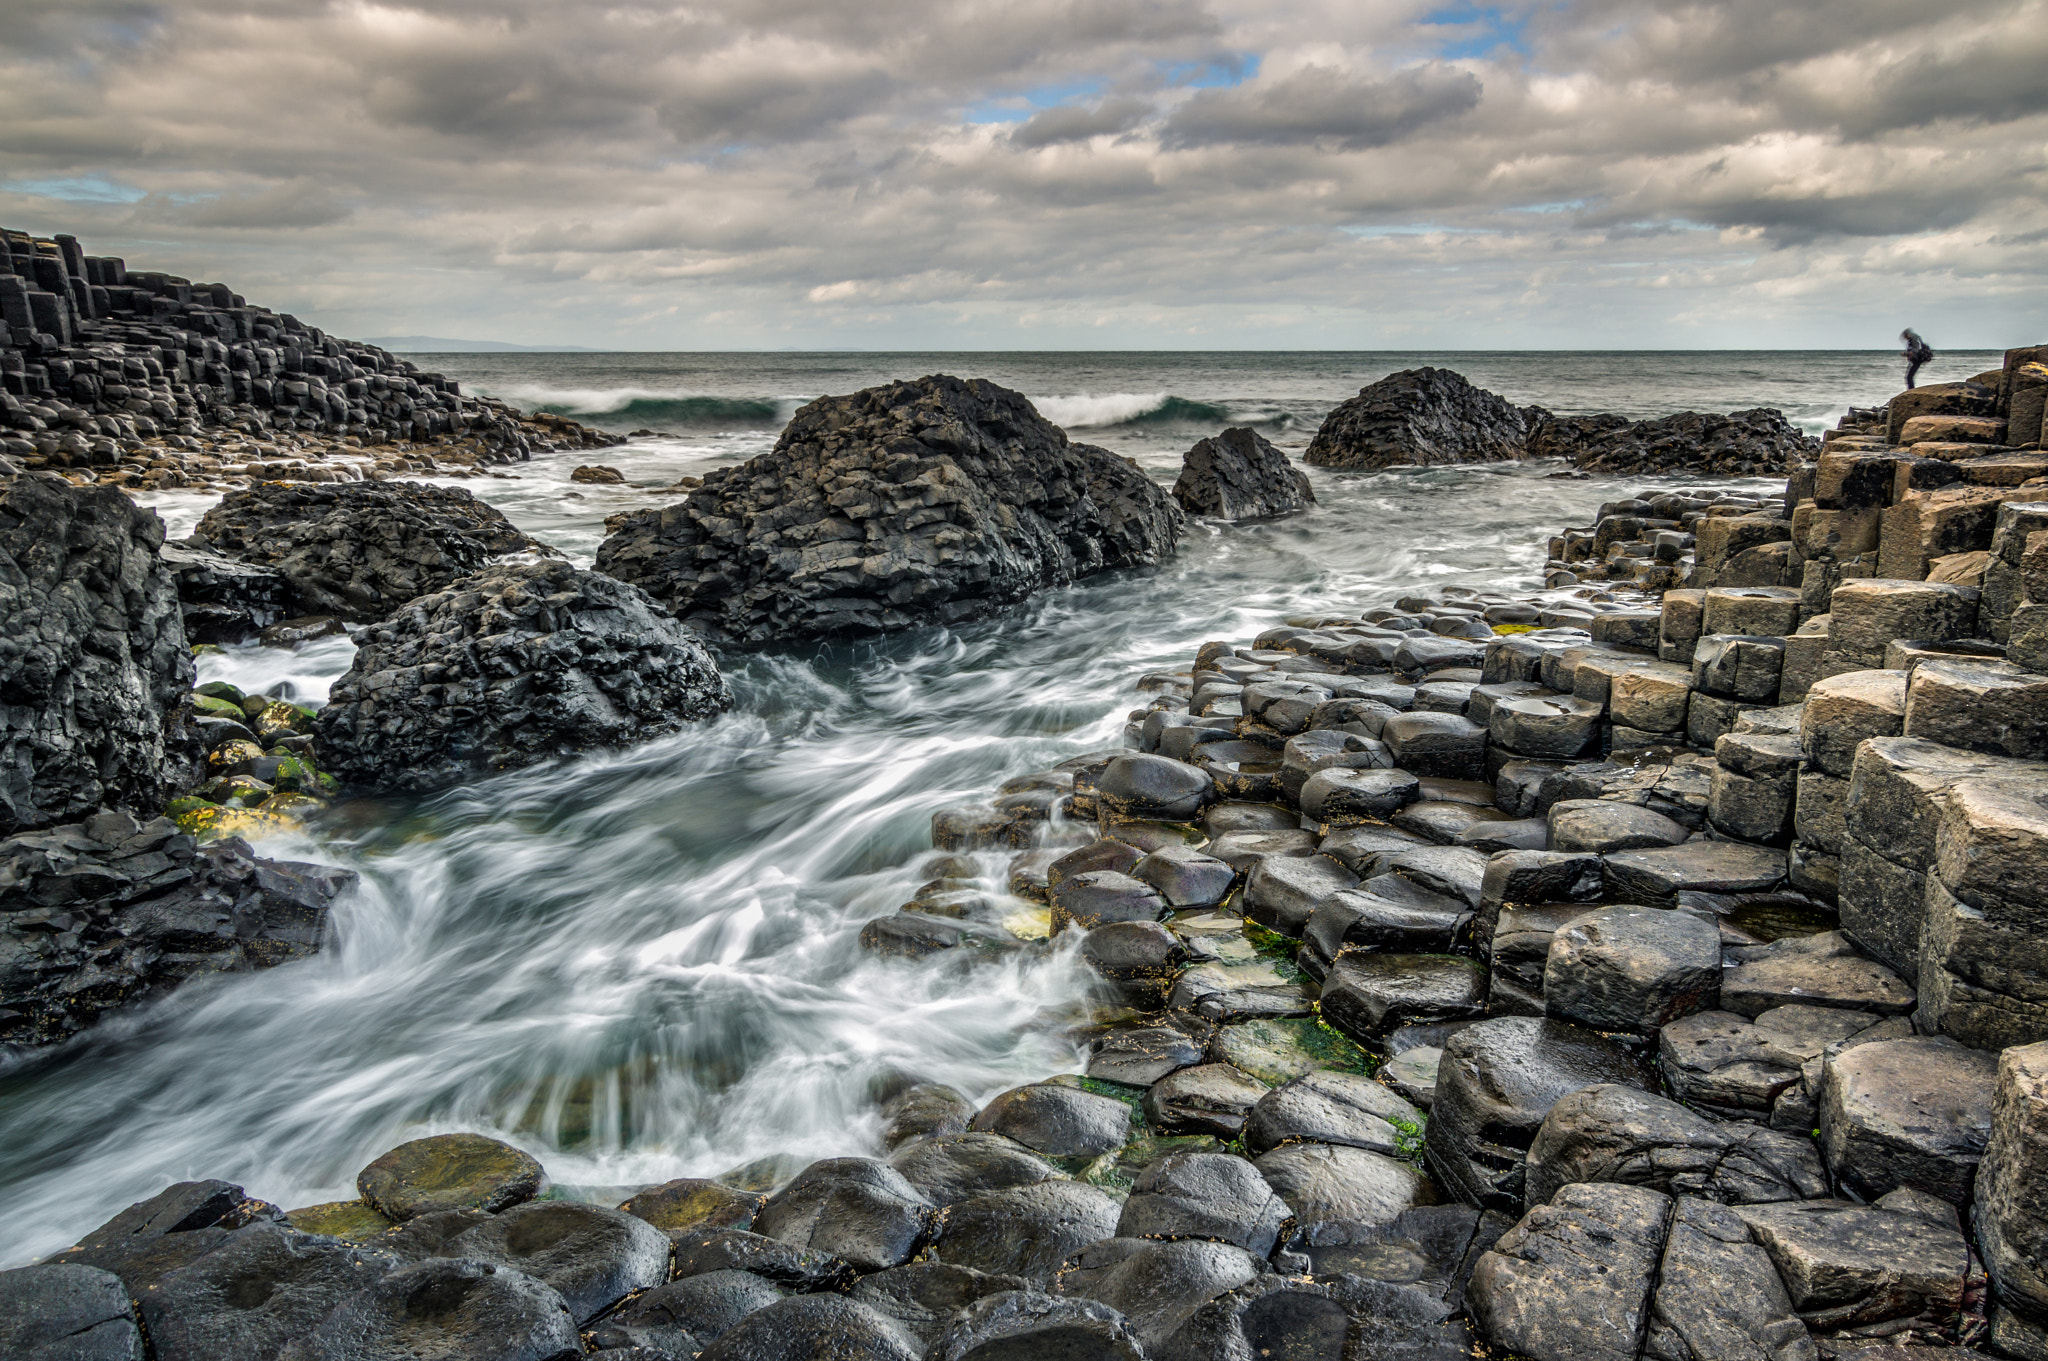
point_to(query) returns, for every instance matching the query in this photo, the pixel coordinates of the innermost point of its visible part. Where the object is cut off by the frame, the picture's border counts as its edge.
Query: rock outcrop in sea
(359, 550)
(925, 502)
(520, 663)
(1755, 443)
(1433, 416)
(1239, 475)
(94, 672)
(1424, 416)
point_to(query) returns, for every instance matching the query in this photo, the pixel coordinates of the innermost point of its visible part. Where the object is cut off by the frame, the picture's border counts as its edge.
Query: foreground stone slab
(1608, 1133)
(1495, 1083)
(2012, 1181)
(449, 1172)
(1572, 1281)
(1719, 1296)
(1912, 1113)
(1846, 1264)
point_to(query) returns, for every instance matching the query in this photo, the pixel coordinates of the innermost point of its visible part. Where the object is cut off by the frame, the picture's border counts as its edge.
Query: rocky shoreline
(1645, 965)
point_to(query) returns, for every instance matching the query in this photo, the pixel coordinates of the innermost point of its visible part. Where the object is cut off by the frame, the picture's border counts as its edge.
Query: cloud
(791, 172)
(1323, 106)
(1072, 123)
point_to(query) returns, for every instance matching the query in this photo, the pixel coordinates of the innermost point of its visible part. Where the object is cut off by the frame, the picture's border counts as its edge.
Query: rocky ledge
(146, 380)
(932, 501)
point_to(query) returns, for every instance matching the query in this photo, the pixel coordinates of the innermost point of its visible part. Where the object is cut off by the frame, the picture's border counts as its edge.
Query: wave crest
(1087, 411)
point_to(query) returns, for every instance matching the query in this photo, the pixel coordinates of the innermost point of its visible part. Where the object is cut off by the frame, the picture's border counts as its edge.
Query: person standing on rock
(1918, 352)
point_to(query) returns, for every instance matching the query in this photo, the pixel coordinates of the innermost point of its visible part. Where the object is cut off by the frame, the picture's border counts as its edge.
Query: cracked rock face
(515, 665)
(359, 550)
(94, 673)
(106, 912)
(926, 502)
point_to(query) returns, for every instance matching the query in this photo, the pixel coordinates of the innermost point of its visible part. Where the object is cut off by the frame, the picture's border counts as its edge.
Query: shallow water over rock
(644, 966)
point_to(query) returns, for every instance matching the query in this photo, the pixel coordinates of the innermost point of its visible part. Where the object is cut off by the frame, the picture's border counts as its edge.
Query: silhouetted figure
(1918, 352)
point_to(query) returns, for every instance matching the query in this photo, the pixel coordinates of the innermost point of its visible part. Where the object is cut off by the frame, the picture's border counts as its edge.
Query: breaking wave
(1089, 412)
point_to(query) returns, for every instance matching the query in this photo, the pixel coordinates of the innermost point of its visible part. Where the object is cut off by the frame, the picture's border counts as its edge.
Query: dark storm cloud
(795, 171)
(1318, 104)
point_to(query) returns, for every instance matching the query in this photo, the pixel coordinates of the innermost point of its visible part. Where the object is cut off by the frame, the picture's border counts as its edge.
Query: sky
(1058, 174)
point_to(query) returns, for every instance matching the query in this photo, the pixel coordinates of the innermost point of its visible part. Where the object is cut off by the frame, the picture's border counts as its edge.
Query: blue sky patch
(1212, 74)
(77, 189)
(1016, 108)
(1484, 27)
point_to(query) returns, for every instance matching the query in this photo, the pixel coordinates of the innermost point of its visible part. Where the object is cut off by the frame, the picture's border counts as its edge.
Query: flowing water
(643, 966)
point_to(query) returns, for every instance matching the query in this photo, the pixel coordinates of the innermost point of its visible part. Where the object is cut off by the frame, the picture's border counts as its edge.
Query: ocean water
(642, 965)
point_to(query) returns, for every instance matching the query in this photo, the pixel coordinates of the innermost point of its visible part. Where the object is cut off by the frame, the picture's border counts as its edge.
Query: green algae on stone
(1277, 1051)
(449, 1172)
(352, 1220)
(694, 1203)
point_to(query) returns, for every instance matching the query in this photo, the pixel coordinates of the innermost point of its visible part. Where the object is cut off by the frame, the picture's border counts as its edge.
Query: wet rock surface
(932, 501)
(518, 664)
(112, 912)
(94, 675)
(359, 550)
(1425, 416)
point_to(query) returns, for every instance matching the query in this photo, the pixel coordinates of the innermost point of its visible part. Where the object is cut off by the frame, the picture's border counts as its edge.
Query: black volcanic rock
(106, 912)
(1238, 475)
(922, 502)
(1422, 416)
(1758, 442)
(94, 672)
(515, 665)
(359, 550)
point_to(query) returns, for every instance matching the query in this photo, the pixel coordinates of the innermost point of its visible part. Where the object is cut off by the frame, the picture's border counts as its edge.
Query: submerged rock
(1421, 416)
(359, 550)
(94, 674)
(1239, 475)
(515, 665)
(918, 502)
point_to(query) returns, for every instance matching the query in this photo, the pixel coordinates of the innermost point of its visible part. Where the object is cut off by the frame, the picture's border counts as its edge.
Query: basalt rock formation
(1757, 443)
(925, 502)
(359, 550)
(514, 665)
(110, 911)
(94, 675)
(1239, 475)
(1422, 416)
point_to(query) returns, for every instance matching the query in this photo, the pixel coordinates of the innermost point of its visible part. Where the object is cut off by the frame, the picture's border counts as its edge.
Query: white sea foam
(1087, 411)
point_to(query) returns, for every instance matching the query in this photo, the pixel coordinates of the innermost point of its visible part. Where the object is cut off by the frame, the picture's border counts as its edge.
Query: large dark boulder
(1239, 475)
(94, 672)
(451, 1309)
(262, 1287)
(359, 550)
(107, 912)
(1755, 443)
(921, 502)
(1421, 416)
(515, 665)
(225, 600)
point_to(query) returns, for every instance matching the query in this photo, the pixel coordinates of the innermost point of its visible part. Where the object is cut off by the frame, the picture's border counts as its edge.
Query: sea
(642, 965)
